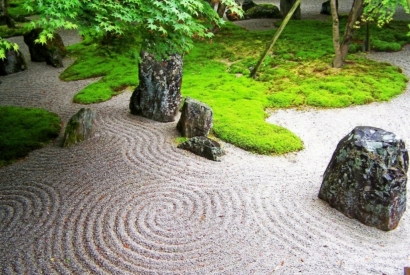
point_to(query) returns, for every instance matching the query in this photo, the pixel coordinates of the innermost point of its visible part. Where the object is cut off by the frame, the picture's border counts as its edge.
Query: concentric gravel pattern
(129, 202)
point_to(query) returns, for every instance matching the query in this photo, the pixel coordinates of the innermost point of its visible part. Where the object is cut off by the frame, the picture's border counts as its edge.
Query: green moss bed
(23, 130)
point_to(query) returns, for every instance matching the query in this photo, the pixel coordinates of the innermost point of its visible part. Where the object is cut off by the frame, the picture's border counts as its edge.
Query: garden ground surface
(129, 202)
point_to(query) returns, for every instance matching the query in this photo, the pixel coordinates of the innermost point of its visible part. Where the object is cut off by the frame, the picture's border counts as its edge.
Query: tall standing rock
(196, 119)
(52, 52)
(13, 63)
(158, 95)
(366, 177)
(80, 127)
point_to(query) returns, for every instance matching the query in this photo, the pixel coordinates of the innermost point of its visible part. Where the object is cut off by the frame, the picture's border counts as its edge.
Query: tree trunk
(158, 95)
(354, 15)
(277, 34)
(220, 9)
(338, 60)
(5, 18)
(285, 7)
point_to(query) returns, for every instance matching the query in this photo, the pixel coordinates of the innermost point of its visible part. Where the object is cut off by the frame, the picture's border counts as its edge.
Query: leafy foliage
(23, 130)
(165, 26)
(382, 11)
(6, 46)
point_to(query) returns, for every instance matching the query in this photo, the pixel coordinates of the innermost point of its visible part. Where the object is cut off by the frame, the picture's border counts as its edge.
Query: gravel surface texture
(129, 202)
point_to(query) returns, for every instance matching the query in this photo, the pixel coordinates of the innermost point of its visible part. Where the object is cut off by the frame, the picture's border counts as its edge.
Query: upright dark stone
(13, 63)
(247, 4)
(326, 7)
(80, 127)
(286, 5)
(196, 119)
(52, 52)
(366, 177)
(204, 147)
(158, 95)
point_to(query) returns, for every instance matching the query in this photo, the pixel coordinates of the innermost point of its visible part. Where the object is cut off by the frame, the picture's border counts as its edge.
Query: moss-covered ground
(117, 68)
(23, 130)
(296, 74)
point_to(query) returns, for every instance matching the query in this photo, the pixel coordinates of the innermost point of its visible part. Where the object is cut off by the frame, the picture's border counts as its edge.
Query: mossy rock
(263, 11)
(80, 127)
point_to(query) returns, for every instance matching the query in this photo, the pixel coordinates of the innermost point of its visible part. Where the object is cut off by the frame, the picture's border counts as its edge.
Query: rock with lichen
(158, 95)
(204, 147)
(80, 127)
(196, 119)
(366, 177)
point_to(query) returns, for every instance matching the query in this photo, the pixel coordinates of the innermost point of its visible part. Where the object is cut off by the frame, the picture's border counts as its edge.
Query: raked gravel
(129, 202)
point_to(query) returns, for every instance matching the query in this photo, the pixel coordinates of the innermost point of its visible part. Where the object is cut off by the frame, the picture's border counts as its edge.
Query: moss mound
(23, 130)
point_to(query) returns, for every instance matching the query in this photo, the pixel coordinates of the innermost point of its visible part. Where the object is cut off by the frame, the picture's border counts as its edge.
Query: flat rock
(204, 147)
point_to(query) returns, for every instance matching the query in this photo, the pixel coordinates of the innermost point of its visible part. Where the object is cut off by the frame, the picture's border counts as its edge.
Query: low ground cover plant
(23, 130)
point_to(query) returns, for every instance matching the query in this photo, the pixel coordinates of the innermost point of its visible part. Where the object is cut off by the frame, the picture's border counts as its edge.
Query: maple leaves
(166, 26)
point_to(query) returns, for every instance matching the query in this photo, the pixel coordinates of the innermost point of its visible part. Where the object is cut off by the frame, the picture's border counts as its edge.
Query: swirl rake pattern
(25, 211)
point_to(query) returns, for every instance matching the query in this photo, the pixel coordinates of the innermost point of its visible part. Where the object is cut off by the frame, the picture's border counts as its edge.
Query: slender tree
(4, 14)
(275, 37)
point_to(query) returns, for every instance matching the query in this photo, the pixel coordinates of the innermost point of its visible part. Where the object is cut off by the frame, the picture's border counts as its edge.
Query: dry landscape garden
(130, 83)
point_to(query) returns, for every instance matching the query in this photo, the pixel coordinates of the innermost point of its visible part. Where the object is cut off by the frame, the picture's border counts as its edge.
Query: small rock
(196, 119)
(13, 63)
(204, 147)
(80, 127)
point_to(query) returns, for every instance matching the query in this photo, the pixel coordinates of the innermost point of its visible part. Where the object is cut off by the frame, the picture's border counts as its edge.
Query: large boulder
(204, 147)
(263, 11)
(52, 52)
(366, 177)
(158, 95)
(196, 119)
(80, 127)
(13, 63)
